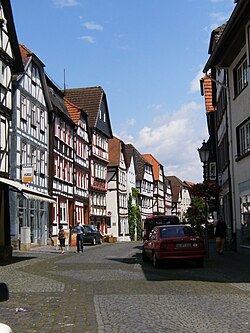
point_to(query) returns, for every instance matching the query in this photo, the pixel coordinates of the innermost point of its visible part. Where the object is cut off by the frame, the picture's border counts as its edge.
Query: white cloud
(93, 26)
(89, 39)
(65, 3)
(174, 140)
(155, 107)
(131, 121)
(195, 83)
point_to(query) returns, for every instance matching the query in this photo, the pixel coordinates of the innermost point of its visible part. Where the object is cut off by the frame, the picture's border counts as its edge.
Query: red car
(172, 242)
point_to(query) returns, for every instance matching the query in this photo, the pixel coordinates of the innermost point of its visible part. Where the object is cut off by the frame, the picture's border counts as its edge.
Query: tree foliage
(196, 214)
(134, 215)
(207, 189)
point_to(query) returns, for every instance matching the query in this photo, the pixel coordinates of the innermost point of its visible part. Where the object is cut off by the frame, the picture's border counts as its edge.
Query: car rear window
(170, 232)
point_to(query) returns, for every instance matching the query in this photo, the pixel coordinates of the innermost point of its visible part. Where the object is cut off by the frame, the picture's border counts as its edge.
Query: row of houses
(227, 93)
(59, 160)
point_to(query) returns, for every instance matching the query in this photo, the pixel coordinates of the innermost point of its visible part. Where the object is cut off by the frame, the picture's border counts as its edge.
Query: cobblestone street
(108, 289)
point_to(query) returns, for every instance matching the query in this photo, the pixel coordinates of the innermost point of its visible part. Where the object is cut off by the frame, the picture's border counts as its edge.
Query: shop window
(245, 219)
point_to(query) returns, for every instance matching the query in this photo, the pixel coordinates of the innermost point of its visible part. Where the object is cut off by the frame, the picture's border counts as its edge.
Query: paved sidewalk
(108, 289)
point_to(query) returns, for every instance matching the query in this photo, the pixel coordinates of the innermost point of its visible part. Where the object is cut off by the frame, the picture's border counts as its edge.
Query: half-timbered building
(117, 198)
(158, 175)
(82, 142)
(144, 181)
(61, 162)
(181, 199)
(94, 102)
(11, 65)
(29, 154)
(168, 194)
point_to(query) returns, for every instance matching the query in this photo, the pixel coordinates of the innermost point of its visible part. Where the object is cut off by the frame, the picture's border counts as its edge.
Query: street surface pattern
(108, 289)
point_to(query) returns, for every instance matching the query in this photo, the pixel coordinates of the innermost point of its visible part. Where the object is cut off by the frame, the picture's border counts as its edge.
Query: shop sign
(27, 174)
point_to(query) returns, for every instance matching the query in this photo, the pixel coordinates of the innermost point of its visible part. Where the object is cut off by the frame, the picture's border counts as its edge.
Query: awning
(28, 192)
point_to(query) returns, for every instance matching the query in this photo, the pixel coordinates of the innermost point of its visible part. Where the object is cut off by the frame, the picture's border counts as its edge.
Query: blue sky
(147, 55)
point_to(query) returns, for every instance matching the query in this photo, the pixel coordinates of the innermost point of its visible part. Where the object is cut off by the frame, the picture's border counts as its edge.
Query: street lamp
(204, 157)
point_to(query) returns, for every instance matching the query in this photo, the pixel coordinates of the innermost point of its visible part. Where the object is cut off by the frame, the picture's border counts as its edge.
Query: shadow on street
(231, 267)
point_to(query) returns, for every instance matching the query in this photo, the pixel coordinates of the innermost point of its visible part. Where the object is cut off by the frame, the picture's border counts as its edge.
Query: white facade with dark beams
(10, 65)
(61, 159)
(229, 63)
(93, 101)
(82, 141)
(29, 154)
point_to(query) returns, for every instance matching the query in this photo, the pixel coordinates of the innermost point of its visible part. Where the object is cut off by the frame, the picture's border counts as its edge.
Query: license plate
(183, 245)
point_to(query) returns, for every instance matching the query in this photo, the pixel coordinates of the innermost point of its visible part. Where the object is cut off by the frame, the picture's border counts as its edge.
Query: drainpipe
(231, 163)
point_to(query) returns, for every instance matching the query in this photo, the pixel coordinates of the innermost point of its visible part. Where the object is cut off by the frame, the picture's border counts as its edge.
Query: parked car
(91, 235)
(152, 221)
(173, 242)
(4, 296)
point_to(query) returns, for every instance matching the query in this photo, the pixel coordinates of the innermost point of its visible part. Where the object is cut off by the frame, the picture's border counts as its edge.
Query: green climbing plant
(134, 216)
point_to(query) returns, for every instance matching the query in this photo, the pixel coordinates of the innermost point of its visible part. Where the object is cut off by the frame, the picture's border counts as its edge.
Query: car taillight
(198, 244)
(164, 246)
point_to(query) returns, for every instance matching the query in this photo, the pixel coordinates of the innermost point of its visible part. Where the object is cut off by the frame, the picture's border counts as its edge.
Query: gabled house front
(168, 196)
(131, 173)
(117, 198)
(158, 175)
(61, 156)
(11, 65)
(81, 166)
(29, 156)
(93, 101)
(181, 200)
(144, 181)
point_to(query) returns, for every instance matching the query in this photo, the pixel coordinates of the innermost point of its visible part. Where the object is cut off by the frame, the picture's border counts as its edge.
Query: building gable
(93, 101)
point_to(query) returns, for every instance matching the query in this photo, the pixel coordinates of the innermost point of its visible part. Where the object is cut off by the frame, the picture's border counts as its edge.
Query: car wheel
(144, 256)
(200, 262)
(155, 261)
(94, 241)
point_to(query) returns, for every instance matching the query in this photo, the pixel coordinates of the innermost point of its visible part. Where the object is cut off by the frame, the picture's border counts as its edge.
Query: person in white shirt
(79, 237)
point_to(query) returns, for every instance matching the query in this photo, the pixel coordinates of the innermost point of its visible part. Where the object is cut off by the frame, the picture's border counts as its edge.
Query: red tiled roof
(25, 53)
(190, 184)
(114, 151)
(87, 99)
(156, 165)
(73, 110)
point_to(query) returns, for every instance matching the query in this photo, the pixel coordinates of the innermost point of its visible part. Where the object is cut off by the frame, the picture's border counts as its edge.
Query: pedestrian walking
(61, 237)
(79, 237)
(220, 235)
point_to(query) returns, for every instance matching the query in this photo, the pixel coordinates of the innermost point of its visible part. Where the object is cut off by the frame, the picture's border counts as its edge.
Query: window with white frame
(212, 171)
(42, 162)
(55, 167)
(3, 95)
(243, 136)
(240, 76)
(23, 108)
(33, 157)
(101, 142)
(1, 37)
(63, 212)
(42, 120)
(3, 78)
(24, 153)
(33, 114)
(100, 171)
